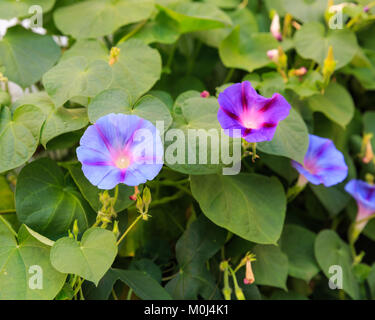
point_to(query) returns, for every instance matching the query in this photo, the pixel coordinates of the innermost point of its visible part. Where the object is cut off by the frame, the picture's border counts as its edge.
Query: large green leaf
(298, 244)
(162, 29)
(19, 135)
(198, 244)
(48, 202)
(246, 52)
(101, 17)
(312, 41)
(20, 8)
(118, 101)
(305, 10)
(89, 258)
(249, 205)
(137, 69)
(90, 49)
(336, 103)
(20, 258)
(198, 155)
(194, 16)
(91, 193)
(26, 56)
(291, 139)
(330, 250)
(270, 267)
(76, 77)
(59, 120)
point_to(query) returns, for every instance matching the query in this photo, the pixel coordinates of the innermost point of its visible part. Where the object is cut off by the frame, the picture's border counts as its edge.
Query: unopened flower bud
(113, 56)
(366, 9)
(75, 228)
(273, 55)
(205, 94)
(146, 198)
(368, 152)
(300, 72)
(133, 197)
(116, 230)
(139, 204)
(275, 27)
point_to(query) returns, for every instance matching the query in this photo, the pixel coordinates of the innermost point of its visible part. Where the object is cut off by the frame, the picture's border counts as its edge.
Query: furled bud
(275, 27)
(366, 9)
(367, 146)
(116, 230)
(205, 94)
(329, 66)
(139, 204)
(75, 229)
(146, 198)
(133, 197)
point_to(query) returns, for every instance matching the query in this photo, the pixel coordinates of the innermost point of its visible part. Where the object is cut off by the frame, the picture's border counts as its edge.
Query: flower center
(311, 166)
(252, 119)
(122, 162)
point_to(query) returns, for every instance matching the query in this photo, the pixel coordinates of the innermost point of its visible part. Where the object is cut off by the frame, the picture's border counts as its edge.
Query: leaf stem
(129, 228)
(7, 224)
(138, 27)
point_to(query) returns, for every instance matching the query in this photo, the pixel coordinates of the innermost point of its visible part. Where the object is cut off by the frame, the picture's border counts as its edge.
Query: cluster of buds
(114, 55)
(367, 153)
(75, 230)
(143, 203)
(107, 211)
(249, 276)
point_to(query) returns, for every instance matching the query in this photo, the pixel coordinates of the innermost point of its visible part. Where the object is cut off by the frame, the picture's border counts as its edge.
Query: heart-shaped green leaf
(249, 205)
(246, 52)
(58, 120)
(298, 244)
(118, 101)
(198, 137)
(19, 136)
(291, 139)
(13, 9)
(101, 17)
(48, 202)
(137, 69)
(336, 103)
(312, 41)
(270, 267)
(26, 56)
(26, 272)
(196, 16)
(90, 258)
(76, 77)
(330, 251)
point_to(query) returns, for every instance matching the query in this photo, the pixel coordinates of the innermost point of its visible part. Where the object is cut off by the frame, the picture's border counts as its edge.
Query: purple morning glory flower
(364, 194)
(241, 107)
(120, 148)
(323, 163)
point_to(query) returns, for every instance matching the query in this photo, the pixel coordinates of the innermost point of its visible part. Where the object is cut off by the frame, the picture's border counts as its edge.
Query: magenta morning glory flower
(241, 107)
(120, 148)
(364, 194)
(323, 163)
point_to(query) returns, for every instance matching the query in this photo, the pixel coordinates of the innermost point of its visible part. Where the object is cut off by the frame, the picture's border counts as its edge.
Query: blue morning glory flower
(120, 148)
(323, 163)
(364, 194)
(257, 117)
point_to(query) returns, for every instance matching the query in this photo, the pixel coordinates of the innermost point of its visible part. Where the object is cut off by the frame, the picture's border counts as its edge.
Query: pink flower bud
(275, 27)
(273, 55)
(366, 9)
(205, 94)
